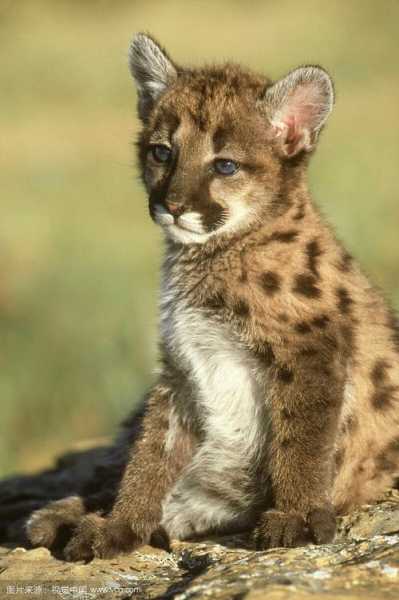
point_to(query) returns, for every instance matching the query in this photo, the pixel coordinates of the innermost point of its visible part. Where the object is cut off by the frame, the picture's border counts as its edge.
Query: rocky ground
(363, 563)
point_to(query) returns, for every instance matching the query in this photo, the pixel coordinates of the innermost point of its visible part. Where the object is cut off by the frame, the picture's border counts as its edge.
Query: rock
(376, 519)
(362, 563)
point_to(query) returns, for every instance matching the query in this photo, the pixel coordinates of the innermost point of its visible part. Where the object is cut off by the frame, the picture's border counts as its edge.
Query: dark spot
(384, 393)
(394, 445)
(388, 459)
(270, 282)
(326, 371)
(339, 457)
(300, 212)
(215, 300)
(348, 335)
(331, 342)
(383, 398)
(345, 262)
(285, 413)
(309, 352)
(285, 375)
(285, 237)
(344, 300)
(241, 307)
(393, 324)
(266, 354)
(283, 318)
(360, 468)
(302, 327)
(243, 275)
(285, 442)
(321, 322)
(306, 286)
(313, 252)
(351, 423)
(379, 372)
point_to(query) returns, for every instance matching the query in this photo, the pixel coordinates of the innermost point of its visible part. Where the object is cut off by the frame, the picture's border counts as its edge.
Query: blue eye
(224, 166)
(161, 153)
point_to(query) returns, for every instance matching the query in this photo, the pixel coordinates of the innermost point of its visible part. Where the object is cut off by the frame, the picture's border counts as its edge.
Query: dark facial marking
(212, 216)
(344, 300)
(321, 322)
(302, 327)
(306, 286)
(159, 193)
(313, 252)
(285, 375)
(219, 139)
(169, 118)
(285, 237)
(270, 282)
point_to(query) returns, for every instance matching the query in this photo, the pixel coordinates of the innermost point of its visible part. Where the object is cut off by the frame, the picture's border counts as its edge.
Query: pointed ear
(152, 70)
(298, 106)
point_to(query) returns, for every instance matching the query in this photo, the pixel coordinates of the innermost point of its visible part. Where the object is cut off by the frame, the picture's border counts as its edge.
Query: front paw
(49, 526)
(322, 524)
(278, 529)
(291, 529)
(98, 537)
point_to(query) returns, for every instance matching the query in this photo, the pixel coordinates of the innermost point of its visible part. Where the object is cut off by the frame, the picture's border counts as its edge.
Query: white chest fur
(230, 392)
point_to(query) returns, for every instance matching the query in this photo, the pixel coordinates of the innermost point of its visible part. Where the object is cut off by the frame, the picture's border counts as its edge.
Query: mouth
(190, 221)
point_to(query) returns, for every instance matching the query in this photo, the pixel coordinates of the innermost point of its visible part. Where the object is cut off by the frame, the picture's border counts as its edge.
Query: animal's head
(219, 144)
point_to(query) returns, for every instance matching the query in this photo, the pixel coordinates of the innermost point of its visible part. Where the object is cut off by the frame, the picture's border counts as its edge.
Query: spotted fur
(277, 401)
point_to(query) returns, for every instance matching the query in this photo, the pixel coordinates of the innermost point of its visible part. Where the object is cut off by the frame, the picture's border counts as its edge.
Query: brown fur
(290, 294)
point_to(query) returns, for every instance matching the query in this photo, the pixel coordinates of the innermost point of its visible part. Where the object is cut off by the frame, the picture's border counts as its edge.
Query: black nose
(174, 208)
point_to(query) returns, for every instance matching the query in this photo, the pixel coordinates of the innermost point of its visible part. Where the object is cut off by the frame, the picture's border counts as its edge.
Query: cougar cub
(277, 402)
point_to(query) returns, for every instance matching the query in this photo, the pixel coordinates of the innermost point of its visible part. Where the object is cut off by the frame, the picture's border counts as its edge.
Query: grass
(79, 256)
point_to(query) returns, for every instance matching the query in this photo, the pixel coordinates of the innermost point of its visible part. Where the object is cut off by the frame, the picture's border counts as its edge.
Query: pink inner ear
(294, 134)
(301, 114)
(299, 105)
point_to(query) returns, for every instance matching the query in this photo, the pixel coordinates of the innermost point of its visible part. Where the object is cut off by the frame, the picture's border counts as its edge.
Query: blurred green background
(79, 256)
